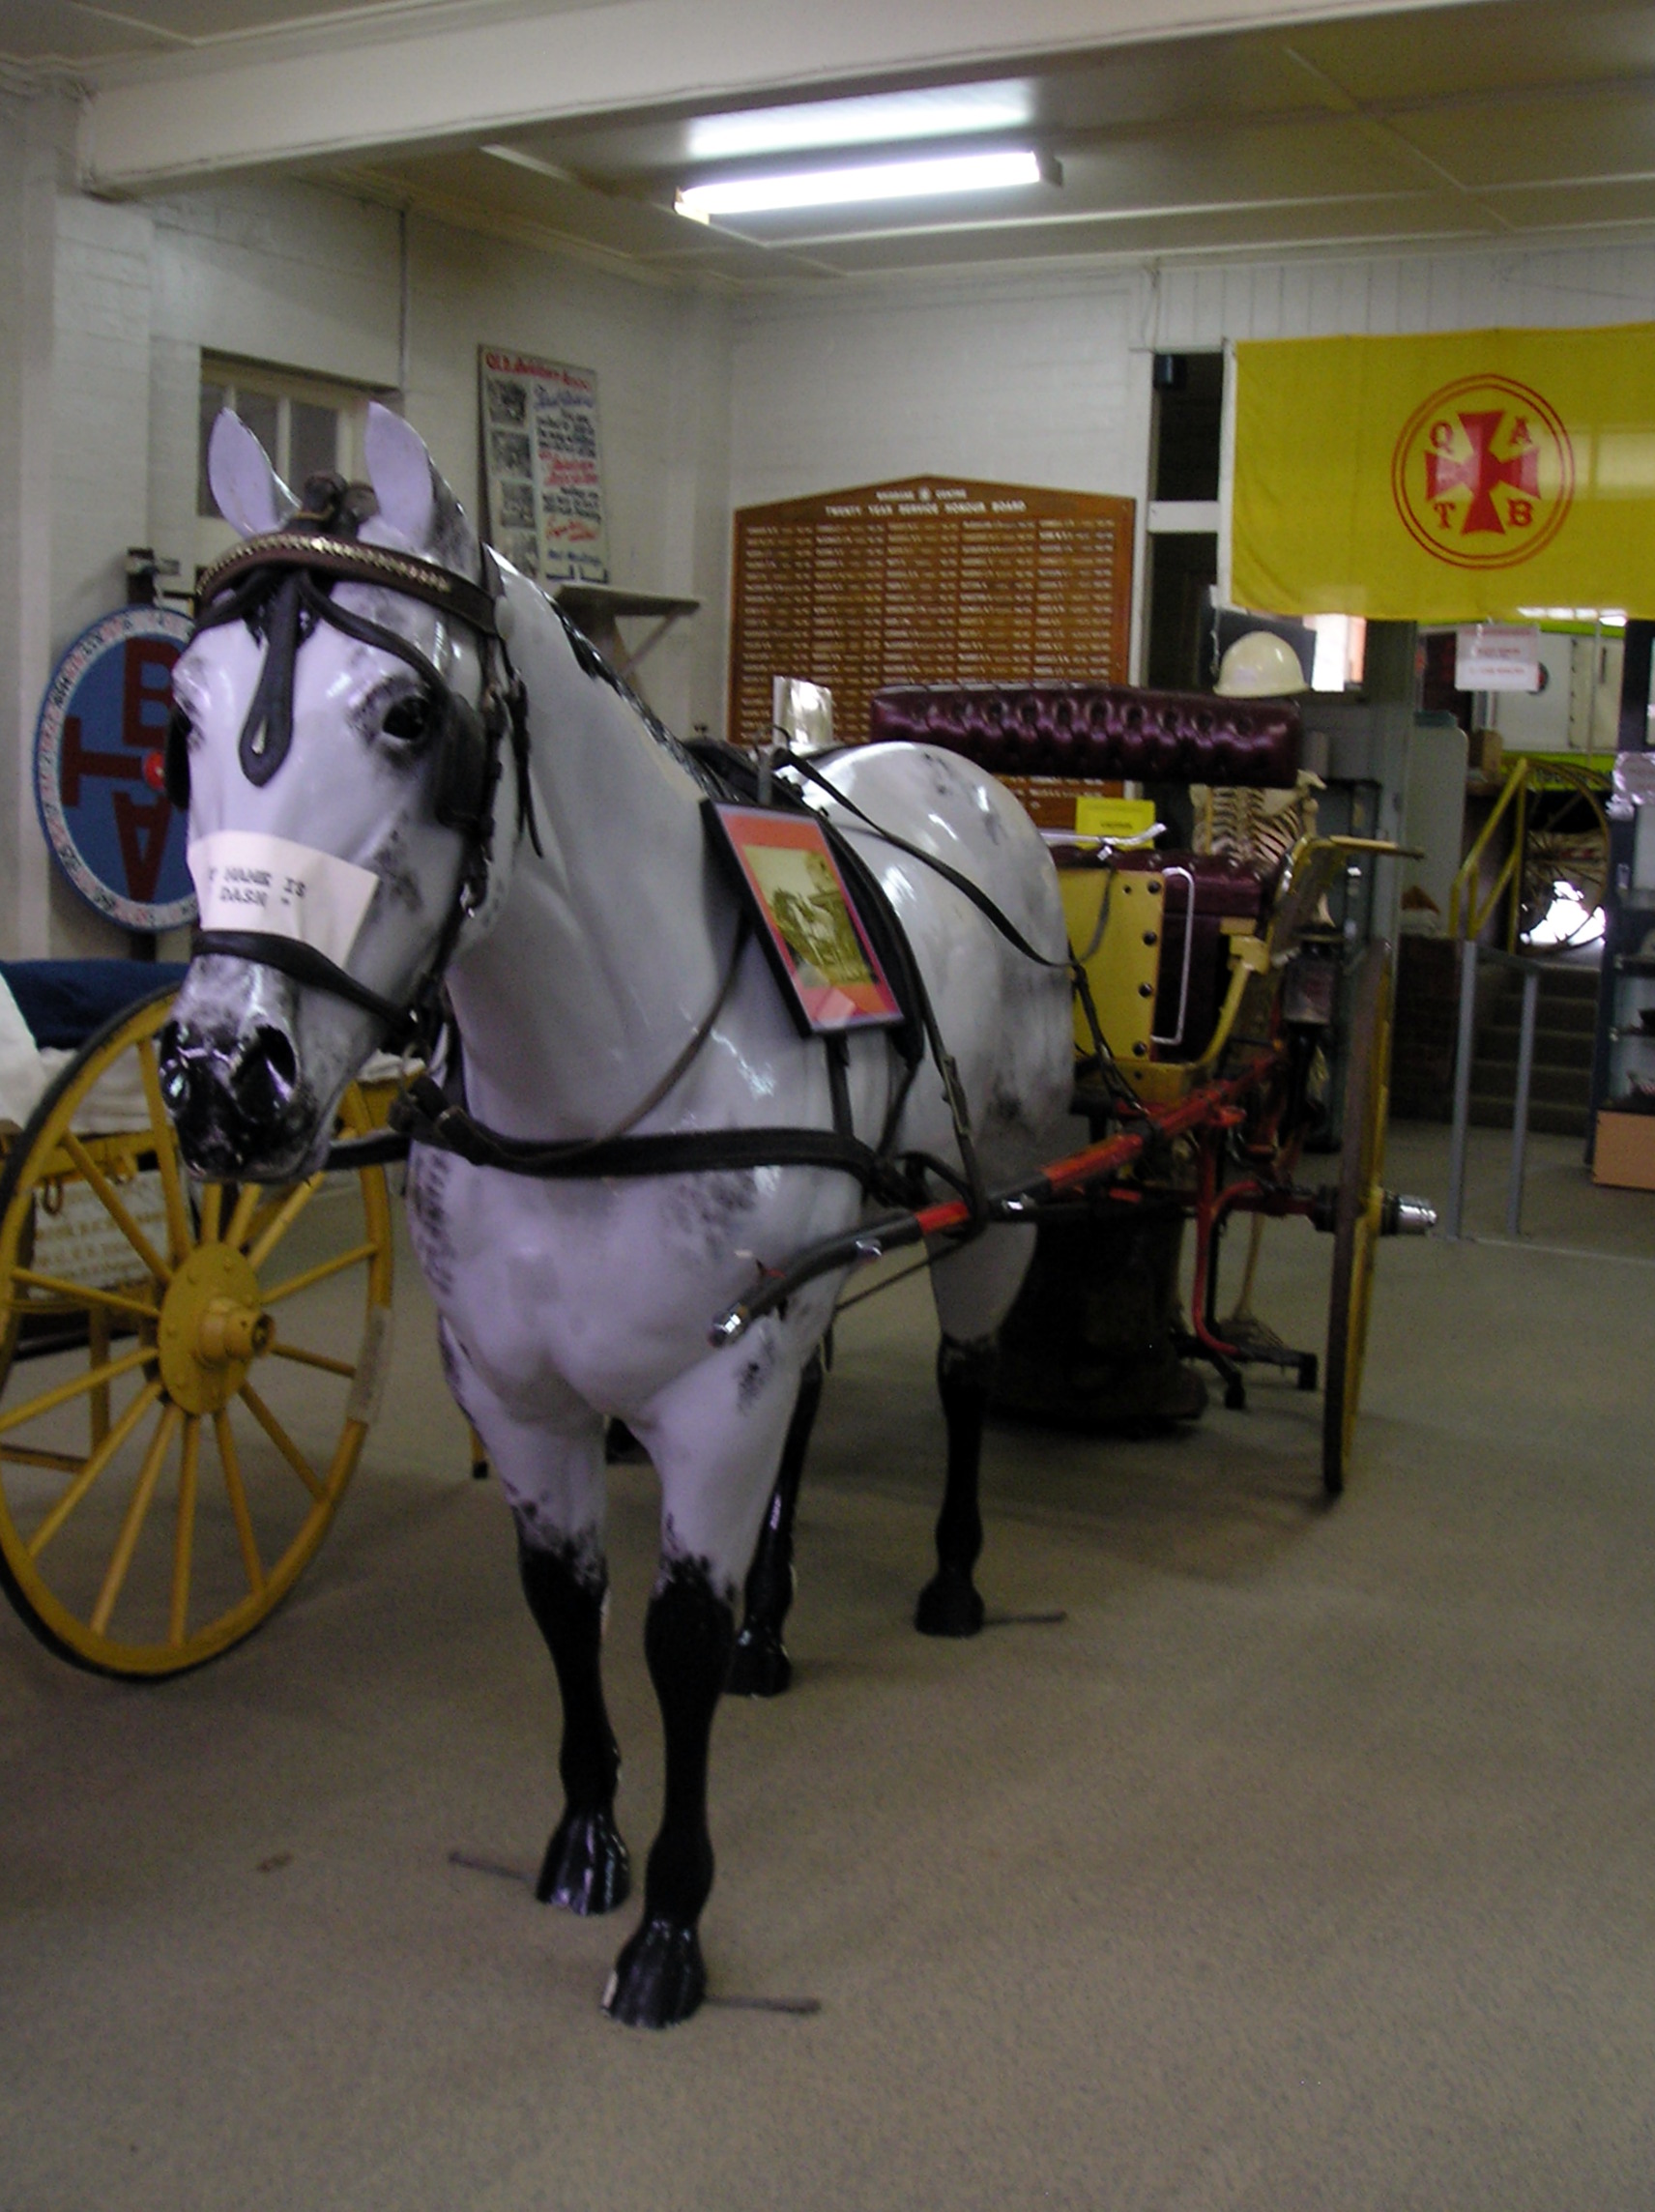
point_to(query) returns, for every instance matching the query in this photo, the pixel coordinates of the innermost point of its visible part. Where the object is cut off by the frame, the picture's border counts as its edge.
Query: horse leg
(714, 1435)
(972, 1302)
(586, 1868)
(762, 1667)
(551, 1471)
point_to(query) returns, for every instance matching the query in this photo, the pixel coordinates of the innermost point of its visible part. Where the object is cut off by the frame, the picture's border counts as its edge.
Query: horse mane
(348, 509)
(593, 663)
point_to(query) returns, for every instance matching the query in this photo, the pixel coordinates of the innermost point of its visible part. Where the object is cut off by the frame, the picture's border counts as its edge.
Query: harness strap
(1079, 980)
(980, 898)
(346, 558)
(424, 1113)
(304, 963)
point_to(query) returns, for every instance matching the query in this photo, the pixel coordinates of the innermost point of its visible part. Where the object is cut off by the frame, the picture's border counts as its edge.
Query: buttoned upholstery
(1097, 730)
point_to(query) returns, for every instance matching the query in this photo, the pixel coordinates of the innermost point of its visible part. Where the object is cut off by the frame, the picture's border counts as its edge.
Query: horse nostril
(264, 1075)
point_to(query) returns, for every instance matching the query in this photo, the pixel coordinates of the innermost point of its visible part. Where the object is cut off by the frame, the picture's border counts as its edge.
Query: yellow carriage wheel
(188, 1369)
(1358, 1213)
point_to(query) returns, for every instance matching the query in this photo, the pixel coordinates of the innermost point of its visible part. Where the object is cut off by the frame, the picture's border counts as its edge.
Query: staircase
(1559, 1097)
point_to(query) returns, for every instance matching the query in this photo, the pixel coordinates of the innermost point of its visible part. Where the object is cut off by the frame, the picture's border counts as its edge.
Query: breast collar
(282, 582)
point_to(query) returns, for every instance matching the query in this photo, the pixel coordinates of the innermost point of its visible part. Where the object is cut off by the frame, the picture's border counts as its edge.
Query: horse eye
(409, 719)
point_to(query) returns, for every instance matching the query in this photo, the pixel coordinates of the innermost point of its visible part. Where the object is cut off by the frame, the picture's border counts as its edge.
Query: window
(308, 427)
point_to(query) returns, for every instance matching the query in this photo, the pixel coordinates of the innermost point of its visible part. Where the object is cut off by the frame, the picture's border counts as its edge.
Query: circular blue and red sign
(99, 769)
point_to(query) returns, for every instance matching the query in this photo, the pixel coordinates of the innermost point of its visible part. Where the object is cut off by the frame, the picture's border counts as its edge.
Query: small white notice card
(1496, 657)
(245, 880)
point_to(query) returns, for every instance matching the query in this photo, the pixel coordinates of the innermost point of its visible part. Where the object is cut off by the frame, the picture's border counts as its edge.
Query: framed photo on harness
(825, 961)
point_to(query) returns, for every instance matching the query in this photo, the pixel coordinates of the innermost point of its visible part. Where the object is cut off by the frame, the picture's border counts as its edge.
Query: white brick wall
(1039, 377)
(34, 137)
(661, 358)
(1026, 381)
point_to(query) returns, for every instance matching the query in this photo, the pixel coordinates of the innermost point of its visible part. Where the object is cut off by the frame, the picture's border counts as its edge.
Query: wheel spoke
(211, 1206)
(126, 1544)
(184, 1531)
(271, 1233)
(27, 1455)
(166, 1153)
(90, 1380)
(93, 1468)
(242, 1212)
(98, 1334)
(320, 1359)
(81, 1293)
(320, 1273)
(238, 1498)
(282, 1441)
(115, 1207)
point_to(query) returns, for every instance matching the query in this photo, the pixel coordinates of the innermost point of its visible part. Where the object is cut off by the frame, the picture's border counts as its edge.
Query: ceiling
(77, 33)
(1504, 121)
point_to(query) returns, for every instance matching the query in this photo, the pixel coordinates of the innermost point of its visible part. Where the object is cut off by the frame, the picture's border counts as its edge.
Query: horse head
(338, 733)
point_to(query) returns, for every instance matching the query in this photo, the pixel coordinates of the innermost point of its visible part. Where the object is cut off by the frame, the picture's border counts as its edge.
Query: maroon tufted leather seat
(1097, 730)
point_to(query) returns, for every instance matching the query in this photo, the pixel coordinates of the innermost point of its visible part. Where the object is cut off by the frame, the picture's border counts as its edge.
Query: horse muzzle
(236, 1099)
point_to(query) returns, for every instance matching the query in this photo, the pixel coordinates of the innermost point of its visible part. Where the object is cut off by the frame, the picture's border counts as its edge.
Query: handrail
(1462, 897)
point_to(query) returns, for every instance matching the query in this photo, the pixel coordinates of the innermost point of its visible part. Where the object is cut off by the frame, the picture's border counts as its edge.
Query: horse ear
(400, 469)
(248, 490)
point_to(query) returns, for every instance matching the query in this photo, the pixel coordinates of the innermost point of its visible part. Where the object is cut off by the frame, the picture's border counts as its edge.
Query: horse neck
(608, 946)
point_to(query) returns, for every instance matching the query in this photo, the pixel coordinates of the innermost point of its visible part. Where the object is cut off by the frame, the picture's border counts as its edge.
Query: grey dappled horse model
(322, 737)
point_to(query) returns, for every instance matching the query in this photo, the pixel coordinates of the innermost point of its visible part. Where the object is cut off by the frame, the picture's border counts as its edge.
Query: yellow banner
(1483, 476)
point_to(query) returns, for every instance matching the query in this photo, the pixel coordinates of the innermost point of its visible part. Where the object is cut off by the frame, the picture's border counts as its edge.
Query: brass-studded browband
(352, 562)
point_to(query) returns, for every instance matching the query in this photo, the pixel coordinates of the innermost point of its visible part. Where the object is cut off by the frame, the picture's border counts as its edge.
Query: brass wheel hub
(211, 1329)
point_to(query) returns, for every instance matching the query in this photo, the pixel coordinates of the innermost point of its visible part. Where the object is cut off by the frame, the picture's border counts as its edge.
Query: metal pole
(1462, 1088)
(1520, 1105)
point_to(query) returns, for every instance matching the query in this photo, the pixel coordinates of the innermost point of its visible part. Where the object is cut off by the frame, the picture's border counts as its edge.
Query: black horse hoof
(660, 1978)
(761, 1666)
(949, 1605)
(586, 1868)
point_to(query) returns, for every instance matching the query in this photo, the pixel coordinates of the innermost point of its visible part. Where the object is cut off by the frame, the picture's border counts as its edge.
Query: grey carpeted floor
(1309, 1863)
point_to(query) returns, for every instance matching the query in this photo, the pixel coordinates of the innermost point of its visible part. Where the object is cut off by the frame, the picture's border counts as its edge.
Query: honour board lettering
(926, 582)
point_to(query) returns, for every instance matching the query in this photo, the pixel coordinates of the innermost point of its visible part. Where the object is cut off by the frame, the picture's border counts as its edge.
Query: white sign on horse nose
(248, 881)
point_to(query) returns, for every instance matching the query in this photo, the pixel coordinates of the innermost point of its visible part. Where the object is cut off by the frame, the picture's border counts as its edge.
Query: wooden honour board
(930, 581)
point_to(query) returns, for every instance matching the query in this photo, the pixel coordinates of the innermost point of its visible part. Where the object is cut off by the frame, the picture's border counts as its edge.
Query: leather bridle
(280, 584)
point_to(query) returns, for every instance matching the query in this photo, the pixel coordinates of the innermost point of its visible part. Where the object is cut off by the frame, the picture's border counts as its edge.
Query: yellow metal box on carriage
(1115, 929)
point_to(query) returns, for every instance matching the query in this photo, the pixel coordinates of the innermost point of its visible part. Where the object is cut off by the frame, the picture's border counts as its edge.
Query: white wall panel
(99, 488)
(1375, 295)
(1023, 383)
(662, 362)
(283, 273)
(32, 137)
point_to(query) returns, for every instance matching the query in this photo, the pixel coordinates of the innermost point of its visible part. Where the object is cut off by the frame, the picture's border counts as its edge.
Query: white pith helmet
(1259, 666)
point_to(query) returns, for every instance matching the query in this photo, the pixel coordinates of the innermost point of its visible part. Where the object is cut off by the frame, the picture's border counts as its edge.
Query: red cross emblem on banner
(1484, 473)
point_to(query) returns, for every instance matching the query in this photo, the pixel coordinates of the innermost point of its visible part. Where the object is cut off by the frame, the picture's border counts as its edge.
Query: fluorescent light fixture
(930, 178)
(873, 118)
(1605, 617)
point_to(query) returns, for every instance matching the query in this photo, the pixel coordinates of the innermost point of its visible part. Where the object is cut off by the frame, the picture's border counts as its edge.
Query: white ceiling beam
(478, 68)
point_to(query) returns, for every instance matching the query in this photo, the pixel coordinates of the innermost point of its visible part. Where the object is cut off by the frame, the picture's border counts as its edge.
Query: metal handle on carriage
(1188, 875)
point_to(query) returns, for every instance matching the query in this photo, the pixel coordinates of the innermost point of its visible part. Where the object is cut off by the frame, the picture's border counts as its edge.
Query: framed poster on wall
(541, 466)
